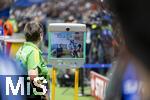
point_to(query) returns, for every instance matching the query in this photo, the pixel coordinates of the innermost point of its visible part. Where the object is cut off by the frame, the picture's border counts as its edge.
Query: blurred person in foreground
(130, 74)
(30, 57)
(8, 67)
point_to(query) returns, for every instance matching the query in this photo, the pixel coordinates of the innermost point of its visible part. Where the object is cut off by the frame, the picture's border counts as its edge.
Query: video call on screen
(67, 44)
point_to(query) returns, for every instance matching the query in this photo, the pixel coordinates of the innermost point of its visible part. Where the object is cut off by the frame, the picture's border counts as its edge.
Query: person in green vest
(29, 55)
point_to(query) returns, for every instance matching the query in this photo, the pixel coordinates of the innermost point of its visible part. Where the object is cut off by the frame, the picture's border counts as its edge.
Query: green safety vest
(31, 57)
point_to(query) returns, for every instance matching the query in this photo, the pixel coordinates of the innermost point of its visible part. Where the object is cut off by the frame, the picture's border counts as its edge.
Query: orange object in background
(8, 28)
(8, 31)
(94, 7)
(1, 22)
(1, 27)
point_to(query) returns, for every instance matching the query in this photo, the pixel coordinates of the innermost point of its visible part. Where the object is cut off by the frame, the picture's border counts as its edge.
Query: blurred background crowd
(91, 13)
(100, 42)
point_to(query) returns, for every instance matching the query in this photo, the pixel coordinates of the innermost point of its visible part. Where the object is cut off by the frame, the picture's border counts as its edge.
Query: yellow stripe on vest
(36, 55)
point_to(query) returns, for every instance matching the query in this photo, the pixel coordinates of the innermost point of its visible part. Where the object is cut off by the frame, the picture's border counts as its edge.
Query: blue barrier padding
(92, 66)
(97, 66)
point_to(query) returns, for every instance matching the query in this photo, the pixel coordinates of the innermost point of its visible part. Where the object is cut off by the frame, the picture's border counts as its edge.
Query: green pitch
(68, 94)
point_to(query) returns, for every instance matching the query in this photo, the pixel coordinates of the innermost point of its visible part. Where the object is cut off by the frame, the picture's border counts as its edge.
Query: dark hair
(134, 18)
(33, 31)
(79, 45)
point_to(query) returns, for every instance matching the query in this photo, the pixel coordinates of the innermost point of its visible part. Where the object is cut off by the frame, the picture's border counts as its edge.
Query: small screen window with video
(67, 44)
